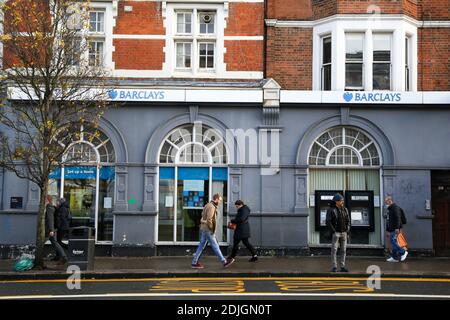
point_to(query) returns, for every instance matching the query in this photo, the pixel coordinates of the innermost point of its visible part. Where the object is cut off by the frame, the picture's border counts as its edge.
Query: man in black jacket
(338, 221)
(50, 230)
(242, 232)
(393, 226)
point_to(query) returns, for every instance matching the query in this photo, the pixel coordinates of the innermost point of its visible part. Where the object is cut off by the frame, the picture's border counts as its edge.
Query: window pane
(326, 50)
(202, 62)
(381, 47)
(353, 75)
(354, 44)
(180, 23)
(381, 76)
(210, 62)
(326, 75)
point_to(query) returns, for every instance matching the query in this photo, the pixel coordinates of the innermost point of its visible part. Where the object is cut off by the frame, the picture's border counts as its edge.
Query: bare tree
(55, 84)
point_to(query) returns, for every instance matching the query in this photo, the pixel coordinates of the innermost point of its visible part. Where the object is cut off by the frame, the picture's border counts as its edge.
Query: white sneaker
(391, 260)
(404, 256)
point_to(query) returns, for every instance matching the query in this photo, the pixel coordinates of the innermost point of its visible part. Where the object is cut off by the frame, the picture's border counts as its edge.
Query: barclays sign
(380, 97)
(146, 95)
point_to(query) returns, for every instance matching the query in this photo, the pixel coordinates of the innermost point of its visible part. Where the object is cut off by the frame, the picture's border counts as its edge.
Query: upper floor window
(354, 61)
(326, 64)
(352, 54)
(407, 63)
(381, 62)
(195, 40)
(96, 43)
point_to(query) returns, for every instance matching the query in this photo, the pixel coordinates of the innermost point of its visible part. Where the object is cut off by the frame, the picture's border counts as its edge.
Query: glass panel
(326, 56)
(192, 195)
(326, 74)
(106, 204)
(166, 207)
(220, 187)
(353, 75)
(381, 76)
(354, 44)
(381, 47)
(79, 191)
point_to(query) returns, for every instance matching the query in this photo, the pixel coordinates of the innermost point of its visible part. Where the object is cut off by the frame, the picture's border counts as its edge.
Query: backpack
(403, 216)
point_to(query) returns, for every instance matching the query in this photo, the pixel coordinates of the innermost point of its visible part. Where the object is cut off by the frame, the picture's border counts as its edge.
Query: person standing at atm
(338, 221)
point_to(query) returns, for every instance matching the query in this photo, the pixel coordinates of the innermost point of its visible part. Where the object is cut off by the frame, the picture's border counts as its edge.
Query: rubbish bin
(82, 247)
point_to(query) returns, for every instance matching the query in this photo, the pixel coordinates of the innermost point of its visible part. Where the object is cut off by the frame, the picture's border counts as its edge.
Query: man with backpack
(395, 220)
(63, 219)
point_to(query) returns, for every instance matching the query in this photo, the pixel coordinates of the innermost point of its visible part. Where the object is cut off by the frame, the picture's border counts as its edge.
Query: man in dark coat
(50, 230)
(242, 232)
(63, 221)
(393, 227)
(338, 221)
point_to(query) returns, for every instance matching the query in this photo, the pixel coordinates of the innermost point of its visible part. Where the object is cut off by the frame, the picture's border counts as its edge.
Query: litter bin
(82, 247)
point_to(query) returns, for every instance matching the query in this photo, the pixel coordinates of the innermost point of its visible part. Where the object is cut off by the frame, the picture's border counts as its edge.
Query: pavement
(304, 266)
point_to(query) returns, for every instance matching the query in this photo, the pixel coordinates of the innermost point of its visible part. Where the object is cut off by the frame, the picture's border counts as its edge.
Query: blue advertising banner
(106, 173)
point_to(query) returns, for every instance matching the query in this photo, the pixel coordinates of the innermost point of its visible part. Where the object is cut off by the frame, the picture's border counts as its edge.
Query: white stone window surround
(195, 37)
(106, 35)
(399, 28)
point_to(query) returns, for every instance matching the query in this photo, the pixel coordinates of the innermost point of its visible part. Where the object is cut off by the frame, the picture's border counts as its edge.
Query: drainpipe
(265, 40)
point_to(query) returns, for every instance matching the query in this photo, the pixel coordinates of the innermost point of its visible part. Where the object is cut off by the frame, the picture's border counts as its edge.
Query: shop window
(87, 180)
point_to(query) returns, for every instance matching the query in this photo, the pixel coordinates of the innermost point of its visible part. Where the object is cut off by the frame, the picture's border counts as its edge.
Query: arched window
(343, 146)
(91, 146)
(193, 144)
(87, 180)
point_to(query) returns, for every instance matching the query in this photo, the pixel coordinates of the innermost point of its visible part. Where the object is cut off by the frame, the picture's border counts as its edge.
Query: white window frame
(408, 62)
(199, 43)
(384, 62)
(355, 62)
(184, 13)
(322, 64)
(196, 38)
(398, 25)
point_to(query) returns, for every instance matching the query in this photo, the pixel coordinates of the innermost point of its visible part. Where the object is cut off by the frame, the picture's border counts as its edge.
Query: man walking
(50, 232)
(63, 221)
(208, 224)
(394, 226)
(242, 232)
(338, 221)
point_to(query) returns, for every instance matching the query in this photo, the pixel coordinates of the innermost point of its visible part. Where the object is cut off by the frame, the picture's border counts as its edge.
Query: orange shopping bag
(401, 240)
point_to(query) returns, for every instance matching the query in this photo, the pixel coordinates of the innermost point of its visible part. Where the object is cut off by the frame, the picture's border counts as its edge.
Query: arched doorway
(87, 181)
(347, 160)
(192, 167)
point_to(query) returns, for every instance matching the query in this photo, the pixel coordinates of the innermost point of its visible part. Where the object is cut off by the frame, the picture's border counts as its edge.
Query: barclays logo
(113, 94)
(348, 96)
(137, 95)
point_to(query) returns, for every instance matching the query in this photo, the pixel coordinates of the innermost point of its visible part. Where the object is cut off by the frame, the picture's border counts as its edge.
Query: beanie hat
(337, 197)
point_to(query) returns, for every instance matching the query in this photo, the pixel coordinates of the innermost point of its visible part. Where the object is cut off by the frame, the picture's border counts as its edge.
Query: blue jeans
(205, 237)
(396, 250)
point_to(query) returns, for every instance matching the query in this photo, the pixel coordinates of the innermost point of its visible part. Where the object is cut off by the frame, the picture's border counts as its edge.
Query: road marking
(333, 285)
(439, 280)
(267, 294)
(200, 286)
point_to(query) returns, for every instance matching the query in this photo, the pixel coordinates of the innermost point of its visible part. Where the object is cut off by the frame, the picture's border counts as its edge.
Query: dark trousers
(59, 250)
(60, 235)
(236, 247)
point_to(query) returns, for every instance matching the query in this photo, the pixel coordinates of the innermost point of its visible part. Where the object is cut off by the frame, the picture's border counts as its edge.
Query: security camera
(207, 18)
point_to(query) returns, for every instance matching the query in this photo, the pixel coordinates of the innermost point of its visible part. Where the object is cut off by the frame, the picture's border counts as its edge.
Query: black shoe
(228, 262)
(344, 269)
(253, 259)
(334, 269)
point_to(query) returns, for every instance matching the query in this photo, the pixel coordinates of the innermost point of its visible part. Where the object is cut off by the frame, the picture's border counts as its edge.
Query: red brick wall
(289, 57)
(435, 10)
(245, 19)
(433, 59)
(244, 55)
(290, 9)
(145, 18)
(138, 54)
(323, 8)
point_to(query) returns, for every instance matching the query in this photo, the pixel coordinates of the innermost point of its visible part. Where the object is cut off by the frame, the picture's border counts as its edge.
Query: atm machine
(360, 205)
(322, 204)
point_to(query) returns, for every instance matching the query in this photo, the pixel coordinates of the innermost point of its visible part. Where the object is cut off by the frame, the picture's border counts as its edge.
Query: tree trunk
(40, 235)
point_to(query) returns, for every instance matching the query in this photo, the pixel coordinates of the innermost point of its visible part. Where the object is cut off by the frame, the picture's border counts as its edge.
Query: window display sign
(16, 203)
(193, 194)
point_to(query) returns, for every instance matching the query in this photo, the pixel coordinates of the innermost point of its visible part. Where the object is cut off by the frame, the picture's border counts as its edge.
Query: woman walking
(242, 232)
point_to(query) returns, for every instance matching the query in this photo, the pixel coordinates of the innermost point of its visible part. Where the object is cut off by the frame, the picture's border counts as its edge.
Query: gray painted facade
(412, 142)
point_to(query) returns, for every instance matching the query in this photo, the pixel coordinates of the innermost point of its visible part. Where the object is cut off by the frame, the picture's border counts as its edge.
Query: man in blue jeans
(207, 234)
(394, 225)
